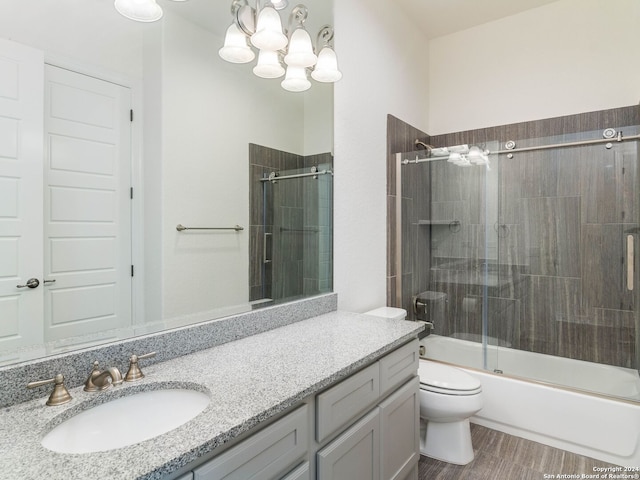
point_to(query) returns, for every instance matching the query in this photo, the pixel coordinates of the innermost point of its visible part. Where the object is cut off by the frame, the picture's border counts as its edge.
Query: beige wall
(383, 59)
(567, 57)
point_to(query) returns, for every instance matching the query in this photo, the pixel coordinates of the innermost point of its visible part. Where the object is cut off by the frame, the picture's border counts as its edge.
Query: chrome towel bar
(181, 228)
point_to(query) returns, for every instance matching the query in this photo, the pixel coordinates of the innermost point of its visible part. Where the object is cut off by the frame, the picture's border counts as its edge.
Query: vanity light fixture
(140, 10)
(279, 51)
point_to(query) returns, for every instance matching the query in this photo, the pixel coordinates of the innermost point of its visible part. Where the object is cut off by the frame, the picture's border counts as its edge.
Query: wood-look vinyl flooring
(499, 456)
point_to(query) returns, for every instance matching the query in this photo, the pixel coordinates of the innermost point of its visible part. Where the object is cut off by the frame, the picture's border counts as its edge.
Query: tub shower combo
(521, 245)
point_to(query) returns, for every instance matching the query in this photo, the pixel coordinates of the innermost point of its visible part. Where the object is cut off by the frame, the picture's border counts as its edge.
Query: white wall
(212, 110)
(384, 61)
(566, 57)
(89, 33)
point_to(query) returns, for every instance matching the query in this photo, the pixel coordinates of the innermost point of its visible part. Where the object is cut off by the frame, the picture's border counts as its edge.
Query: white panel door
(21, 89)
(87, 206)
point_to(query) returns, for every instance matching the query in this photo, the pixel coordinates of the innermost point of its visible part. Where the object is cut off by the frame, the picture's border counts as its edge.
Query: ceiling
(442, 17)
(215, 15)
(434, 17)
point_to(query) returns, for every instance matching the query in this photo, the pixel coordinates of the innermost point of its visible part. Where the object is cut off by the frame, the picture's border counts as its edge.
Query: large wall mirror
(91, 194)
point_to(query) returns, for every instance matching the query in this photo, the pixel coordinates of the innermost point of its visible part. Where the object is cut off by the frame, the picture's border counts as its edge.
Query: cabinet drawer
(398, 366)
(343, 403)
(300, 473)
(268, 454)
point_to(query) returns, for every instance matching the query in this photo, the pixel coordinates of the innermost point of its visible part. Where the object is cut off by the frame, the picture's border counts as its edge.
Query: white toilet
(448, 397)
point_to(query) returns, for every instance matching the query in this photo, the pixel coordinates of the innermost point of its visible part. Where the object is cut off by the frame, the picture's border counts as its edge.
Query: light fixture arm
(237, 5)
(297, 17)
(325, 37)
(244, 16)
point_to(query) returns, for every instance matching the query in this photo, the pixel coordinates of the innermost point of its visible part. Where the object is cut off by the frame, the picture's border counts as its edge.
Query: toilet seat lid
(445, 377)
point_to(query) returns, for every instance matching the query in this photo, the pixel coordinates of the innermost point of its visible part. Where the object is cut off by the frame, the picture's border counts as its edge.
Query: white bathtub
(588, 424)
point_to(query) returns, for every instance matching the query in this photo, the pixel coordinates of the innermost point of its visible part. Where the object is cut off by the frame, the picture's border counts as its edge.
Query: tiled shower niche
(538, 239)
(291, 233)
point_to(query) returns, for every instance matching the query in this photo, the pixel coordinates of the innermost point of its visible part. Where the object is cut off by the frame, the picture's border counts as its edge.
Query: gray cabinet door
(342, 404)
(399, 431)
(269, 454)
(354, 455)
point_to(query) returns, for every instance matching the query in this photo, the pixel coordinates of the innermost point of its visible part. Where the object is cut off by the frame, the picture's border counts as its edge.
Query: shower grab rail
(618, 139)
(182, 228)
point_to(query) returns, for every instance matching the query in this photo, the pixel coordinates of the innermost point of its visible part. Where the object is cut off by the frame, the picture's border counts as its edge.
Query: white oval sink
(126, 421)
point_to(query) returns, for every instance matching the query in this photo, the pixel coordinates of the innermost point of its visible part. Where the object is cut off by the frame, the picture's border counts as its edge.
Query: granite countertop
(248, 381)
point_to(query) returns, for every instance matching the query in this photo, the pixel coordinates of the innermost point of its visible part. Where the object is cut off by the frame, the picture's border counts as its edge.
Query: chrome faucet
(100, 380)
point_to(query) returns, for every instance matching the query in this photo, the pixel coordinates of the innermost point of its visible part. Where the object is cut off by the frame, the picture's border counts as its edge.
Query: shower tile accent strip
(552, 289)
(75, 366)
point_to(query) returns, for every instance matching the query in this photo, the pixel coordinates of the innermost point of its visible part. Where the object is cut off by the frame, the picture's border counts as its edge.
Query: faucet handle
(134, 373)
(88, 384)
(60, 394)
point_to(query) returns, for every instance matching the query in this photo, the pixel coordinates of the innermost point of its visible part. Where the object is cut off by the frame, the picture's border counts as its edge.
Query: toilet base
(447, 441)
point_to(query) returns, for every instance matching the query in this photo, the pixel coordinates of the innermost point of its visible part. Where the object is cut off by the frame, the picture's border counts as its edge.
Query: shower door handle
(630, 262)
(264, 247)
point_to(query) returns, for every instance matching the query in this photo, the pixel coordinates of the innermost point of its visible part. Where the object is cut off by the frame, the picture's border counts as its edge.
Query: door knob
(31, 283)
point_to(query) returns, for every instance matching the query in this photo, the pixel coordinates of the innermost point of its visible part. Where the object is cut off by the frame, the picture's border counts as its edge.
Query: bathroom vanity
(334, 396)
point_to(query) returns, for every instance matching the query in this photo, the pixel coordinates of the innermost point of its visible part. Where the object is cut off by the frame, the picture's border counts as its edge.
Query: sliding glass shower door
(568, 218)
(527, 265)
(297, 233)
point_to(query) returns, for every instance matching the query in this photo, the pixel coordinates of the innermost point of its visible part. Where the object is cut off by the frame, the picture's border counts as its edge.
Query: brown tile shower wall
(293, 210)
(400, 138)
(551, 287)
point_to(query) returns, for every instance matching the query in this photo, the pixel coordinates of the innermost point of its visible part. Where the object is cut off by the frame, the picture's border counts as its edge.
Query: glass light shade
(268, 65)
(300, 53)
(327, 67)
(279, 4)
(296, 80)
(236, 49)
(269, 34)
(455, 158)
(477, 156)
(139, 10)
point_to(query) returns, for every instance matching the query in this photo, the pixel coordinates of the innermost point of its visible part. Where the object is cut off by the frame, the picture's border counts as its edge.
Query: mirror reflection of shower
(291, 240)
